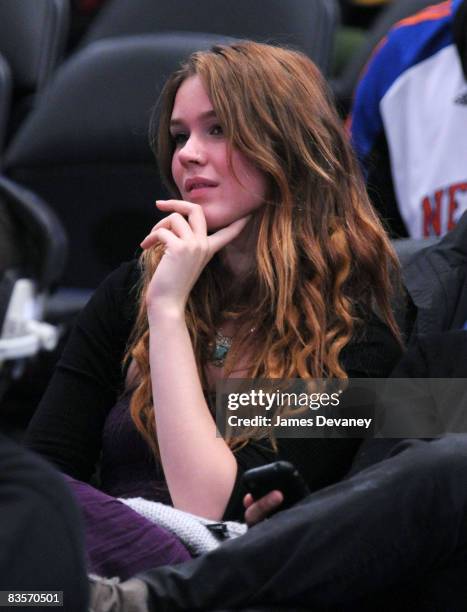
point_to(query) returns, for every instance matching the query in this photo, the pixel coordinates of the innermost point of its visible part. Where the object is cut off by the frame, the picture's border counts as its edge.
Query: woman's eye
(216, 130)
(179, 138)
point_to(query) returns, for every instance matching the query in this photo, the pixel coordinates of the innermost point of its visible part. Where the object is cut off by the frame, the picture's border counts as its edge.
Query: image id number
(37, 598)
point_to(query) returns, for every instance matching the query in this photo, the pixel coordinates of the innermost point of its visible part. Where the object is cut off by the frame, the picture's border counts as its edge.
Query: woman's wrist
(162, 313)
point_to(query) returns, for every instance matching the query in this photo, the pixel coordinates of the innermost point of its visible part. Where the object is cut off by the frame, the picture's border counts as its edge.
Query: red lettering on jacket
(432, 218)
(439, 218)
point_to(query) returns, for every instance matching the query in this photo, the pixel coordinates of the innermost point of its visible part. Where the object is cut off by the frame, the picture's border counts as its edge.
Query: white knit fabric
(192, 530)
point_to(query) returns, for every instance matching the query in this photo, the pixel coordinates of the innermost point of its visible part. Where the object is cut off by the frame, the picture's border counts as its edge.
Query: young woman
(270, 263)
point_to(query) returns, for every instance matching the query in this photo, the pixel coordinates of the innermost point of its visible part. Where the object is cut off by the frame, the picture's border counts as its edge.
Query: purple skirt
(120, 542)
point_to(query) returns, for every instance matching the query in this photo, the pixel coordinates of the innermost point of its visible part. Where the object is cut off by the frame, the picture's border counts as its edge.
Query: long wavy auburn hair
(323, 260)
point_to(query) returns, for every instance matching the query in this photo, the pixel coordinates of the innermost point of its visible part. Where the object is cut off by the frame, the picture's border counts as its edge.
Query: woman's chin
(215, 223)
(213, 228)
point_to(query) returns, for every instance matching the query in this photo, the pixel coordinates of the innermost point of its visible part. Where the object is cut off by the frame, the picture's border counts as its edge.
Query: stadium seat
(308, 25)
(84, 149)
(33, 34)
(42, 243)
(32, 252)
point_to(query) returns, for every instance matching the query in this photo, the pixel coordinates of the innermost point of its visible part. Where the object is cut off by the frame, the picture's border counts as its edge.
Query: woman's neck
(237, 262)
(238, 256)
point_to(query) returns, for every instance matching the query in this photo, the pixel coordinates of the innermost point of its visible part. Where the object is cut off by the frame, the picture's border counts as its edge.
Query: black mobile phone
(281, 476)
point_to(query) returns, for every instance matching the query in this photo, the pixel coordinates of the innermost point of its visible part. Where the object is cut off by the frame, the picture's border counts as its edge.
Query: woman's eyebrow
(206, 115)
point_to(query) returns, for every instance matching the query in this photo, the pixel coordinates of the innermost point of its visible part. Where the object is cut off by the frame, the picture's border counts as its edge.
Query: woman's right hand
(188, 249)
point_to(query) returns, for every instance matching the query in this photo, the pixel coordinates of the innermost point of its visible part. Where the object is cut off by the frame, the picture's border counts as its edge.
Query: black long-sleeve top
(84, 414)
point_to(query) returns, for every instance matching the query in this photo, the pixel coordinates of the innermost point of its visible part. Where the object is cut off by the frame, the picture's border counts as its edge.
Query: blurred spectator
(436, 279)
(360, 13)
(40, 530)
(409, 121)
(356, 17)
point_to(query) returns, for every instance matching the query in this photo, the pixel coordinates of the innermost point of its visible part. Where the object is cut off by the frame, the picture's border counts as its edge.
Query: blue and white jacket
(412, 96)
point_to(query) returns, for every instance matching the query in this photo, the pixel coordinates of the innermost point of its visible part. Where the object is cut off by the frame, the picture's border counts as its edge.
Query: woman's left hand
(259, 510)
(188, 249)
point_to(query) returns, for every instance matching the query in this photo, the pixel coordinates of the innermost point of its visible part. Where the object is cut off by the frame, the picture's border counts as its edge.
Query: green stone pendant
(223, 344)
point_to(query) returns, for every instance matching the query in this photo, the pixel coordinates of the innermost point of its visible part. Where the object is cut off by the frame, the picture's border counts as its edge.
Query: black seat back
(308, 25)
(33, 36)
(32, 39)
(34, 243)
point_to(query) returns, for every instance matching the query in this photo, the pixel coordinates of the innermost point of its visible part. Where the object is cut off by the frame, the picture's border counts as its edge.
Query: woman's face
(200, 166)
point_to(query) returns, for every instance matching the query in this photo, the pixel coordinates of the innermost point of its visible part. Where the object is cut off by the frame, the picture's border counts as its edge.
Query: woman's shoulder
(125, 278)
(120, 288)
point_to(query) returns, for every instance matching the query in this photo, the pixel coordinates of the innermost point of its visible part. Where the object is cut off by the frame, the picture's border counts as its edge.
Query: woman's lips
(199, 190)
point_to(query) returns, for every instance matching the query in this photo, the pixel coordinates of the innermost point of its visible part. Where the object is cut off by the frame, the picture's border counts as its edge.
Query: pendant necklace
(221, 348)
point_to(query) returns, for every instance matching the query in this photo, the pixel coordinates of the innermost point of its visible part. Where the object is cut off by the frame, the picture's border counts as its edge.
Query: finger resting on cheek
(180, 206)
(170, 204)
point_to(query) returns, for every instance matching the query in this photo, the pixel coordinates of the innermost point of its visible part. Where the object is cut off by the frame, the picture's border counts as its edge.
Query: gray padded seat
(308, 25)
(85, 150)
(33, 34)
(32, 39)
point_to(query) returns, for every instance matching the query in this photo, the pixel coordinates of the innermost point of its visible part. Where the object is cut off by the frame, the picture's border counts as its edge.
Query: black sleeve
(68, 423)
(322, 461)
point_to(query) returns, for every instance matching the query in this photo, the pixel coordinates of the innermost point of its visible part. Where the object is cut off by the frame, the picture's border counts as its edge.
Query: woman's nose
(192, 152)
